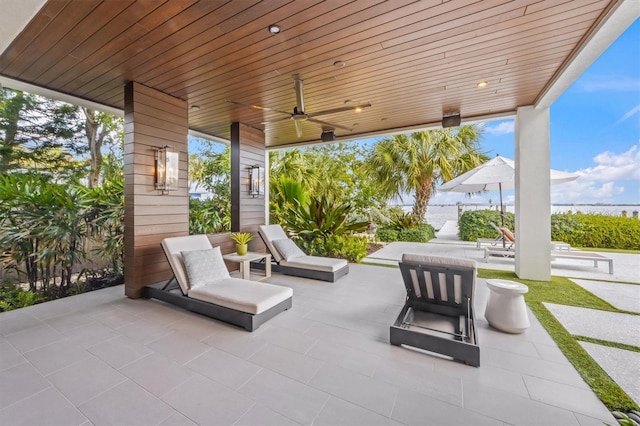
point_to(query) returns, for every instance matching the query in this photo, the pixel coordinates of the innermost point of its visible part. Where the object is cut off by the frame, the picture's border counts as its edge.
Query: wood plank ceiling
(412, 60)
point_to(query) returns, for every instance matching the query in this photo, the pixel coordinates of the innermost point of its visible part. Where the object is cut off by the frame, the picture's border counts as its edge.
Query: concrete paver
(621, 365)
(622, 296)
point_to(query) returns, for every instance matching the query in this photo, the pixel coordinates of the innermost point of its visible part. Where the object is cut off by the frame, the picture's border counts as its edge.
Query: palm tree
(416, 162)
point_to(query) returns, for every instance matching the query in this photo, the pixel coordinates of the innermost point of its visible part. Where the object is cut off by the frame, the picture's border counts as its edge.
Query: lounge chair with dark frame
(438, 315)
(202, 284)
(290, 260)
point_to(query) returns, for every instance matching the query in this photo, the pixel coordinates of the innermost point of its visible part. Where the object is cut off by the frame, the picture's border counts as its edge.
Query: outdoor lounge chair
(509, 238)
(205, 287)
(290, 260)
(438, 314)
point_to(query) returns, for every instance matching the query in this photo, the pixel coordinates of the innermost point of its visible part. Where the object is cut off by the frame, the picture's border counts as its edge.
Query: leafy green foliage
(420, 233)
(105, 217)
(42, 228)
(596, 230)
(211, 170)
(207, 217)
(13, 297)
(322, 217)
(353, 248)
(39, 134)
(387, 235)
(474, 224)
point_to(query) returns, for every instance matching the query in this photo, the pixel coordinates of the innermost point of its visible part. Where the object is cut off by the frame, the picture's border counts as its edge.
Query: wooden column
(247, 212)
(152, 119)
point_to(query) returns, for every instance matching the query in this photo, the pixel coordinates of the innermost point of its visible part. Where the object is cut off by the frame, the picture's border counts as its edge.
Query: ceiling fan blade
(341, 109)
(257, 107)
(335, 126)
(298, 128)
(299, 88)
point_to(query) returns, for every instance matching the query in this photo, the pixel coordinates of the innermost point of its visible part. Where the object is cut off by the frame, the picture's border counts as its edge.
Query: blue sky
(595, 132)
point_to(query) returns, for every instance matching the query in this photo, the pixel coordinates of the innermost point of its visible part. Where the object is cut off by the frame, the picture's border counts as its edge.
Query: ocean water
(438, 214)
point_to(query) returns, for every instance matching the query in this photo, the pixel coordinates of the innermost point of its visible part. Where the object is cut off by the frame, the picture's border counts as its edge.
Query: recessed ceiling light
(482, 83)
(339, 64)
(274, 29)
(195, 107)
(358, 109)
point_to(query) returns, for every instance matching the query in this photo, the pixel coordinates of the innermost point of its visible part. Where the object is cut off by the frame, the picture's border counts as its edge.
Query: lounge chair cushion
(315, 263)
(173, 248)
(288, 249)
(204, 266)
(271, 233)
(242, 295)
(439, 260)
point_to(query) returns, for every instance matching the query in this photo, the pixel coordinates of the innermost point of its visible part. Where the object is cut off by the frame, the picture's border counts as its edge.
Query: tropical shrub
(353, 248)
(387, 235)
(105, 217)
(420, 233)
(42, 229)
(207, 217)
(322, 217)
(14, 297)
(474, 224)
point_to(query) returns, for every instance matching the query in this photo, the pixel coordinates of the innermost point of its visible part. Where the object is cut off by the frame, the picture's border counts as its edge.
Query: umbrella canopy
(495, 174)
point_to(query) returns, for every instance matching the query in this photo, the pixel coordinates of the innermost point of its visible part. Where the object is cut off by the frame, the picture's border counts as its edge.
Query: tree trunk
(95, 146)
(423, 194)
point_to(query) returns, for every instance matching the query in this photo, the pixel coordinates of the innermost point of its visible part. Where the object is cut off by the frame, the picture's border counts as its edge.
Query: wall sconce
(167, 169)
(256, 181)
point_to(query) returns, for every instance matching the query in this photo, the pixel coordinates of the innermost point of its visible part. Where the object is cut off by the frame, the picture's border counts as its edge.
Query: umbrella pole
(504, 242)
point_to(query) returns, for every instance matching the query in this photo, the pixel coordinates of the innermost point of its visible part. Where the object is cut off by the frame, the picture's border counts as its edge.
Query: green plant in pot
(242, 239)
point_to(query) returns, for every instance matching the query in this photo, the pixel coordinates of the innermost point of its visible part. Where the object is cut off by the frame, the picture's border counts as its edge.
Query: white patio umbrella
(496, 174)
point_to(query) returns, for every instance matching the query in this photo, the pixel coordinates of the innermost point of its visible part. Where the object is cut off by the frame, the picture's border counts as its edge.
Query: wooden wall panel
(247, 213)
(152, 119)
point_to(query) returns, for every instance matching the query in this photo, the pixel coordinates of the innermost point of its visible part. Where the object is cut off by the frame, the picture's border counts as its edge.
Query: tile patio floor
(100, 358)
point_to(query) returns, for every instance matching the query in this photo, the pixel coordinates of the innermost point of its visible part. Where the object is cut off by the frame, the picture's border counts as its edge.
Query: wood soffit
(412, 60)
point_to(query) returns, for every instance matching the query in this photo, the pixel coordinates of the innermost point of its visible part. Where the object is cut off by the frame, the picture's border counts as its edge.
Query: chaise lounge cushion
(288, 249)
(242, 295)
(204, 266)
(325, 264)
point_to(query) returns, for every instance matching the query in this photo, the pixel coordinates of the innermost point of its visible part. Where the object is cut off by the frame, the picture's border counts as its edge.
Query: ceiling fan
(299, 114)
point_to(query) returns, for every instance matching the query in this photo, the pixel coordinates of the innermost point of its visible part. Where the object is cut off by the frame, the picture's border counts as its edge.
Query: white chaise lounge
(204, 286)
(290, 260)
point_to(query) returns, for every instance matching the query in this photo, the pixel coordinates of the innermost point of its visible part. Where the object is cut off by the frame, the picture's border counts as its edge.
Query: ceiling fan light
(358, 109)
(482, 83)
(274, 29)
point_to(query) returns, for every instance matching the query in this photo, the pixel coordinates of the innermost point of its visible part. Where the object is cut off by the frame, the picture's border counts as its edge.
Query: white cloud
(611, 166)
(629, 114)
(601, 183)
(502, 128)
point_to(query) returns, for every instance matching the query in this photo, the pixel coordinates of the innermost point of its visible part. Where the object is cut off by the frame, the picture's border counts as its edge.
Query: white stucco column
(533, 194)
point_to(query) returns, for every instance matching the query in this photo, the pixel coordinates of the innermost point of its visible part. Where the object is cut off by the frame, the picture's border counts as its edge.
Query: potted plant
(241, 239)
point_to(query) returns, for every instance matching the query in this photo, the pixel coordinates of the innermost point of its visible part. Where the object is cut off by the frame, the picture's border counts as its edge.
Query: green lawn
(563, 291)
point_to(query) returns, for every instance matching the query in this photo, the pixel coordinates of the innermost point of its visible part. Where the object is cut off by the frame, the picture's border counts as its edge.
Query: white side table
(245, 263)
(506, 309)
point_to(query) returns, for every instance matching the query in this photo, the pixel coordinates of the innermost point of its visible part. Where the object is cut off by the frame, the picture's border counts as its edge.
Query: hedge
(419, 234)
(577, 229)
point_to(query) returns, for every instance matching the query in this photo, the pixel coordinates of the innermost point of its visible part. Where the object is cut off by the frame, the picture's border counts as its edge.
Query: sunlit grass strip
(563, 291)
(607, 343)
(609, 250)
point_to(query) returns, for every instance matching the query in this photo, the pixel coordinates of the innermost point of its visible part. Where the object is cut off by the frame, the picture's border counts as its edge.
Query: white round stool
(506, 309)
